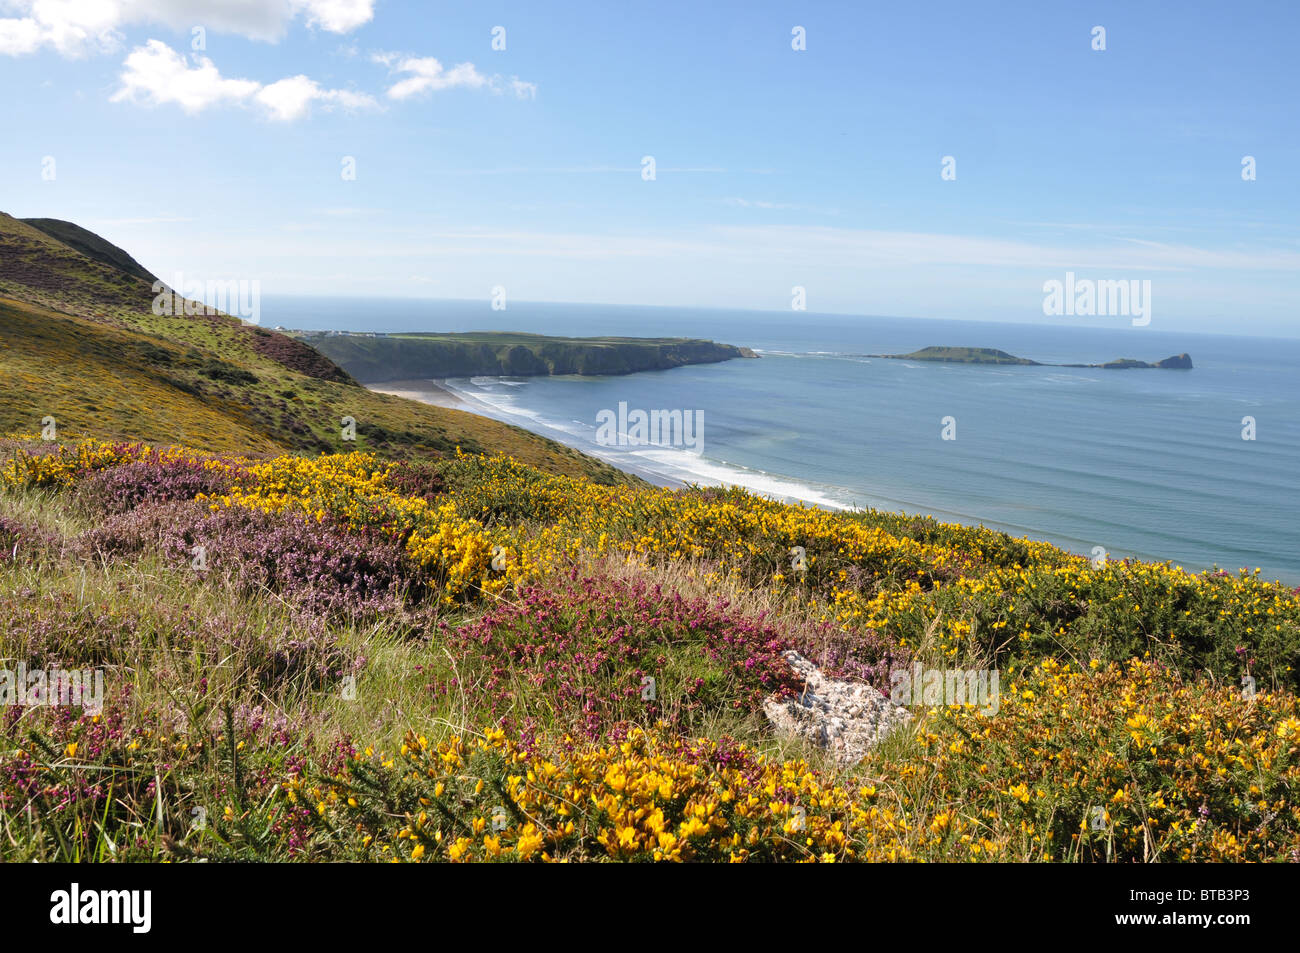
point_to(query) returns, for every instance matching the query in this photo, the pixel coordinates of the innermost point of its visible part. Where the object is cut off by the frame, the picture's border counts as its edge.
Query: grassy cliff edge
(373, 358)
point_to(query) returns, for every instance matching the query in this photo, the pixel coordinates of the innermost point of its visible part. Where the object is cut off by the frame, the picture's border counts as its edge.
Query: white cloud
(291, 98)
(76, 28)
(72, 27)
(337, 16)
(424, 74)
(156, 75)
(18, 37)
(254, 19)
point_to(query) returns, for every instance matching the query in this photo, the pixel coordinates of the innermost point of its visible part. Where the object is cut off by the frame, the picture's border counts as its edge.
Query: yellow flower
(529, 841)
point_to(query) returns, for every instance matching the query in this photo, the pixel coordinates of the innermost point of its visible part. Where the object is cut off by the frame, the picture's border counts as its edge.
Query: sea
(1151, 464)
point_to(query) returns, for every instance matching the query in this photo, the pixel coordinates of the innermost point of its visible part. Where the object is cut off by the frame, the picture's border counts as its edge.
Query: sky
(945, 159)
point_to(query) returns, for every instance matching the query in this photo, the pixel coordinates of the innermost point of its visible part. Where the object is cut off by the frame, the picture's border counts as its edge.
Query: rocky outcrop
(1177, 362)
(846, 718)
(960, 355)
(988, 355)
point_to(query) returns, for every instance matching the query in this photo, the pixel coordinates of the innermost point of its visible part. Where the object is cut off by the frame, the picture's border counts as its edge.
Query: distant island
(373, 358)
(989, 355)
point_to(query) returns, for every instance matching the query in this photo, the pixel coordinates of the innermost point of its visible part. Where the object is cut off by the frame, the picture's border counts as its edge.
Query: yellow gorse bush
(355, 489)
(458, 552)
(976, 590)
(653, 797)
(1172, 770)
(350, 487)
(1120, 762)
(62, 465)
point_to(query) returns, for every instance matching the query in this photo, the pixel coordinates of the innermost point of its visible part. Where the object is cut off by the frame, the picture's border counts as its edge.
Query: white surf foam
(673, 465)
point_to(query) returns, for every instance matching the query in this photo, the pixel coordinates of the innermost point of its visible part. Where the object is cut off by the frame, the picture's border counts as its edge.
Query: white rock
(849, 718)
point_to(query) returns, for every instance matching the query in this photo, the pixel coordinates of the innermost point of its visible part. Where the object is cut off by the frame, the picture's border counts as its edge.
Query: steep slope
(79, 341)
(39, 269)
(111, 383)
(90, 245)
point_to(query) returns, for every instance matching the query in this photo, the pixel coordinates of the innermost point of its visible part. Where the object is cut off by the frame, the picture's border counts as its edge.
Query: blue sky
(775, 168)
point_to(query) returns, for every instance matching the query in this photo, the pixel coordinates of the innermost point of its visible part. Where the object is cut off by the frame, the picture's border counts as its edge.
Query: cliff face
(382, 357)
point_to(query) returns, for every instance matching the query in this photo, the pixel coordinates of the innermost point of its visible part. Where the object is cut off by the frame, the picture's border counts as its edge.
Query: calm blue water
(1145, 463)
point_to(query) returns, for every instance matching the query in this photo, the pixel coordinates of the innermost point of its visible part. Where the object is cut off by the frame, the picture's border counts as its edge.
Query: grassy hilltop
(386, 357)
(388, 652)
(79, 342)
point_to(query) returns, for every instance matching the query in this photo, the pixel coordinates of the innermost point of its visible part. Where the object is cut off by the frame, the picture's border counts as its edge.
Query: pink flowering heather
(317, 566)
(21, 542)
(123, 488)
(584, 655)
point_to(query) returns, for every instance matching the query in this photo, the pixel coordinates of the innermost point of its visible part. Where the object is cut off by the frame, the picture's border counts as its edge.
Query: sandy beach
(426, 391)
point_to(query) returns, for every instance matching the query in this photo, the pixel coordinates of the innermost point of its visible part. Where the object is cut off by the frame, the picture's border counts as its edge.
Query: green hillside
(90, 245)
(79, 341)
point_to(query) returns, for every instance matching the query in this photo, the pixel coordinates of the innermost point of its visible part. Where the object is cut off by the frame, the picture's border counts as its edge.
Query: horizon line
(773, 311)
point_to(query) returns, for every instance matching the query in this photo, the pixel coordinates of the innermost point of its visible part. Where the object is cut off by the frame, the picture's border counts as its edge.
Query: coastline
(426, 391)
(668, 471)
(442, 393)
(436, 391)
(665, 467)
